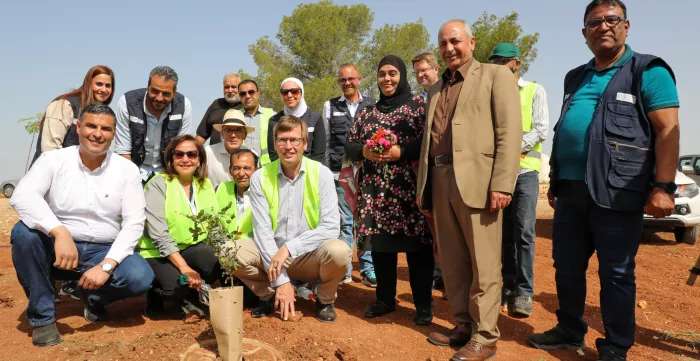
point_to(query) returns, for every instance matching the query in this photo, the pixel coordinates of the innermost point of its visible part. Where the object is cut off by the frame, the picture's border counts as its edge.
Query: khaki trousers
(327, 263)
(469, 244)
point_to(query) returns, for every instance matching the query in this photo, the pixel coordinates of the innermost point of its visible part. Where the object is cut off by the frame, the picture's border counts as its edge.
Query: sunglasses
(250, 92)
(191, 154)
(294, 91)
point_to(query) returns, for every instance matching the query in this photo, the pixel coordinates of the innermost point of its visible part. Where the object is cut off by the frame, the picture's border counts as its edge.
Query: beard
(232, 99)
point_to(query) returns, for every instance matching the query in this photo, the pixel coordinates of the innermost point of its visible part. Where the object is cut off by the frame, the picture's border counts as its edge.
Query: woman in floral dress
(388, 221)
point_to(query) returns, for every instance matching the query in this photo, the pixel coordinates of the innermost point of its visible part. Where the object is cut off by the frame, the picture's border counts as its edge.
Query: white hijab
(301, 107)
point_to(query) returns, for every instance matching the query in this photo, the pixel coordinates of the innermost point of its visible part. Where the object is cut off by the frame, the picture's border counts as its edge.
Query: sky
(46, 47)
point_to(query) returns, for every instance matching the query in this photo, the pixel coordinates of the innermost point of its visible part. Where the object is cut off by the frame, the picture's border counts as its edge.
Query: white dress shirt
(154, 129)
(218, 163)
(106, 205)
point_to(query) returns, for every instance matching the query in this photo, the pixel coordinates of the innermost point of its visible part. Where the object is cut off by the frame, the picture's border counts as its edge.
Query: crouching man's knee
(335, 253)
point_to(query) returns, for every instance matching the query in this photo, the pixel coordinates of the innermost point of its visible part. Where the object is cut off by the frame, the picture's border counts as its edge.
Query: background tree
(491, 30)
(32, 127)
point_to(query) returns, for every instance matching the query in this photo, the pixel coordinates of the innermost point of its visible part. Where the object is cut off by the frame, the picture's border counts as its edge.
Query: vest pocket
(622, 120)
(629, 167)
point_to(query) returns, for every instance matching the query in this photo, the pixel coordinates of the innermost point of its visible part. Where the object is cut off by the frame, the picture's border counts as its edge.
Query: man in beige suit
(468, 166)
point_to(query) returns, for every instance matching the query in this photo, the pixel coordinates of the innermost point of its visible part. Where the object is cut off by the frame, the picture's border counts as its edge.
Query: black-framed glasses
(239, 131)
(347, 80)
(294, 91)
(191, 154)
(293, 141)
(610, 21)
(250, 92)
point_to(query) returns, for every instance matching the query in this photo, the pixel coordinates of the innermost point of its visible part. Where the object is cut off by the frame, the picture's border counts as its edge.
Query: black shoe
(424, 316)
(325, 313)
(155, 307)
(378, 309)
(554, 339)
(610, 356)
(264, 308)
(520, 307)
(46, 335)
(438, 283)
(70, 288)
(93, 313)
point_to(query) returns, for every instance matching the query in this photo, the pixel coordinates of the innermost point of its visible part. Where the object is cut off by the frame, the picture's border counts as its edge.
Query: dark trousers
(581, 227)
(199, 257)
(420, 276)
(518, 252)
(33, 256)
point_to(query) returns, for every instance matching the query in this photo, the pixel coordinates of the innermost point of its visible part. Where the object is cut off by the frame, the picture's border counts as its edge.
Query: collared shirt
(105, 205)
(292, 227)
(540, 121)
(243, 203)
(326, 115)
(252, 141)
(154, 129)
(441, 131)
(57, 121)
(218, 164)
(424, 94)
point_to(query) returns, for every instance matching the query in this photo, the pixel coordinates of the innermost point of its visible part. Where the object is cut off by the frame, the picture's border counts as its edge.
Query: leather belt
(442, 160)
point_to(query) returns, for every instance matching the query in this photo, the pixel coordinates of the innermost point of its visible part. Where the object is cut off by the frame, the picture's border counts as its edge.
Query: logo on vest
(338, 114)
(628, 98)
(135, 119)
(176, 117)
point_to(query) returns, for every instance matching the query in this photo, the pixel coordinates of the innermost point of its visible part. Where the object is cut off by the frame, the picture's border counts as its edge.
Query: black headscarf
(402, 95)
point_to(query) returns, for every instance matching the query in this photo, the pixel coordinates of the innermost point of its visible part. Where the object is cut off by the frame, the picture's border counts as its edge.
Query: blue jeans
(518, 252)
(346, 226)
(33, 257)
(581, 227)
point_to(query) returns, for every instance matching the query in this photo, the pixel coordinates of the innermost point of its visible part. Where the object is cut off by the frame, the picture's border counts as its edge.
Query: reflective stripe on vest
(312, 199)
(532, 158)
(226, 197)
(265, 115)
(177, 206)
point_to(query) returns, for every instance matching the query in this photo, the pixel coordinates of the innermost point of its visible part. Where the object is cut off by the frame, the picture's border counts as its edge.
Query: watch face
(107, 267)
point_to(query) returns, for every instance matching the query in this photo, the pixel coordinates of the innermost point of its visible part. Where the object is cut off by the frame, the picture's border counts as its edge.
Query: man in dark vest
(217, 109)
(148, 118)
(614, 158)
(338, 116)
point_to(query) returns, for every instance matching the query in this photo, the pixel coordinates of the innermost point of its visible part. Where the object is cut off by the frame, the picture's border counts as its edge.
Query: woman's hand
(370, 154)
(391, 155)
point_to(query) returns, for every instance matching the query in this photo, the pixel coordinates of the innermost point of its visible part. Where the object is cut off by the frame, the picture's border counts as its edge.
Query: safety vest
(226, 197)
(265, 115)
(532, 158)
(177, 206)
(312, 199)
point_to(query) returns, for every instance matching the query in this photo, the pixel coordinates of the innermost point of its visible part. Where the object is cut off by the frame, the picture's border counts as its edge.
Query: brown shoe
(474, 351)
(457, 337)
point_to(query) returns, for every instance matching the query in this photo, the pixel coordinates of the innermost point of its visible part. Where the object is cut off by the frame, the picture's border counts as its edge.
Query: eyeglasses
(347, 80)
(500, 61)
(239, 131)
(191, 154)
(250, 92)
(610, 20)
(294, 141)
(294, 91)
(420, 72)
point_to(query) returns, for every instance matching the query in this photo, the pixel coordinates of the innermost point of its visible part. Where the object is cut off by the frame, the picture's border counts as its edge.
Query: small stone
(642, 304)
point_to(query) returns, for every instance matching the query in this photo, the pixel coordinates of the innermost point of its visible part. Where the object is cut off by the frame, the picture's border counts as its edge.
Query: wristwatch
(106, 267)
(668, 187)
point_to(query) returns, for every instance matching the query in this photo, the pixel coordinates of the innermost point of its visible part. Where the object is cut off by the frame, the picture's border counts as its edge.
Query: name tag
(135, 119)
(311, 129)
(338, 114)
(176, 117)
(628, 98)
(566, 96)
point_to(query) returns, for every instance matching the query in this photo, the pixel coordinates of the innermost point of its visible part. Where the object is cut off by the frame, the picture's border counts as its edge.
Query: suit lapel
(467, 85)
(434, 97)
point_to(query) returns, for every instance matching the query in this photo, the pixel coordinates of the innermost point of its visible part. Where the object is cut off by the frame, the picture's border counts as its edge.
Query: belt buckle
(437, 161)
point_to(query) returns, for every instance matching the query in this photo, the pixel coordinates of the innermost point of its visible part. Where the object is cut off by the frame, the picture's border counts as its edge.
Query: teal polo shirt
(658, 92)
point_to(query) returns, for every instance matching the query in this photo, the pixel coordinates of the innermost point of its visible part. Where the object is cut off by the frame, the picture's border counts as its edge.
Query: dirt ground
(668, 318)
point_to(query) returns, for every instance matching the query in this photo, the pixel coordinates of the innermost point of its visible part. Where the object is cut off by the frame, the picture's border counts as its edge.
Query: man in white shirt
(234, 129)
(148, 118)
(82, 211)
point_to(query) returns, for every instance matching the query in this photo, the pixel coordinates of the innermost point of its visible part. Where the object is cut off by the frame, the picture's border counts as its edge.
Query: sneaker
(610, 356)
(346, 280)
(554, 339)
(520, 307)
(46, 335)
(369, 279)
(70, 288)
(57, 298)
(92, 313)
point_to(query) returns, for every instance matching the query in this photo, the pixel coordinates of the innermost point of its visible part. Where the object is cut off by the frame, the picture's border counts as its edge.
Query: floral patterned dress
(387, 217)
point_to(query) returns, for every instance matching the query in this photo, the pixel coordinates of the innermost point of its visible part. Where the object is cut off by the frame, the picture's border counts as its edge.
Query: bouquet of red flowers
(381, 142)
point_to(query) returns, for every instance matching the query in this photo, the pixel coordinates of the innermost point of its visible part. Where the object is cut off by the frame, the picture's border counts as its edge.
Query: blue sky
(47, 46)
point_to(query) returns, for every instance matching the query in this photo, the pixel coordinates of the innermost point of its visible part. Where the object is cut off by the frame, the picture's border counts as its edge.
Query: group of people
(459, 185)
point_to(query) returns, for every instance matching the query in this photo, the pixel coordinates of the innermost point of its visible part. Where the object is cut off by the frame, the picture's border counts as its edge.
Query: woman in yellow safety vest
(167, 244)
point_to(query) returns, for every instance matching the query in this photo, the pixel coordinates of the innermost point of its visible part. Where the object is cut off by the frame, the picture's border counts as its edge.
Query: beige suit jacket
(487, 133)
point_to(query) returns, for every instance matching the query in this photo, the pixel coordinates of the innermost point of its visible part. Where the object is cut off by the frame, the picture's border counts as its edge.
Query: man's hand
(391, 155)
(498, 201)
(284, 298)
(659, 204)
(193, 278)
(277, 263)
(94, 278)
(551, 198)
(64, 248)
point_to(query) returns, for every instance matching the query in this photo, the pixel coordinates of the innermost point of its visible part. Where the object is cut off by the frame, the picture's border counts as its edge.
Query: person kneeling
(167, 243)
(295, 226)
(81, 213)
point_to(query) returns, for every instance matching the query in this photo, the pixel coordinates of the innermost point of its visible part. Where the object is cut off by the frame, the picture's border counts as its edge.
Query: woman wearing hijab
(388, 220)
(292, 93)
